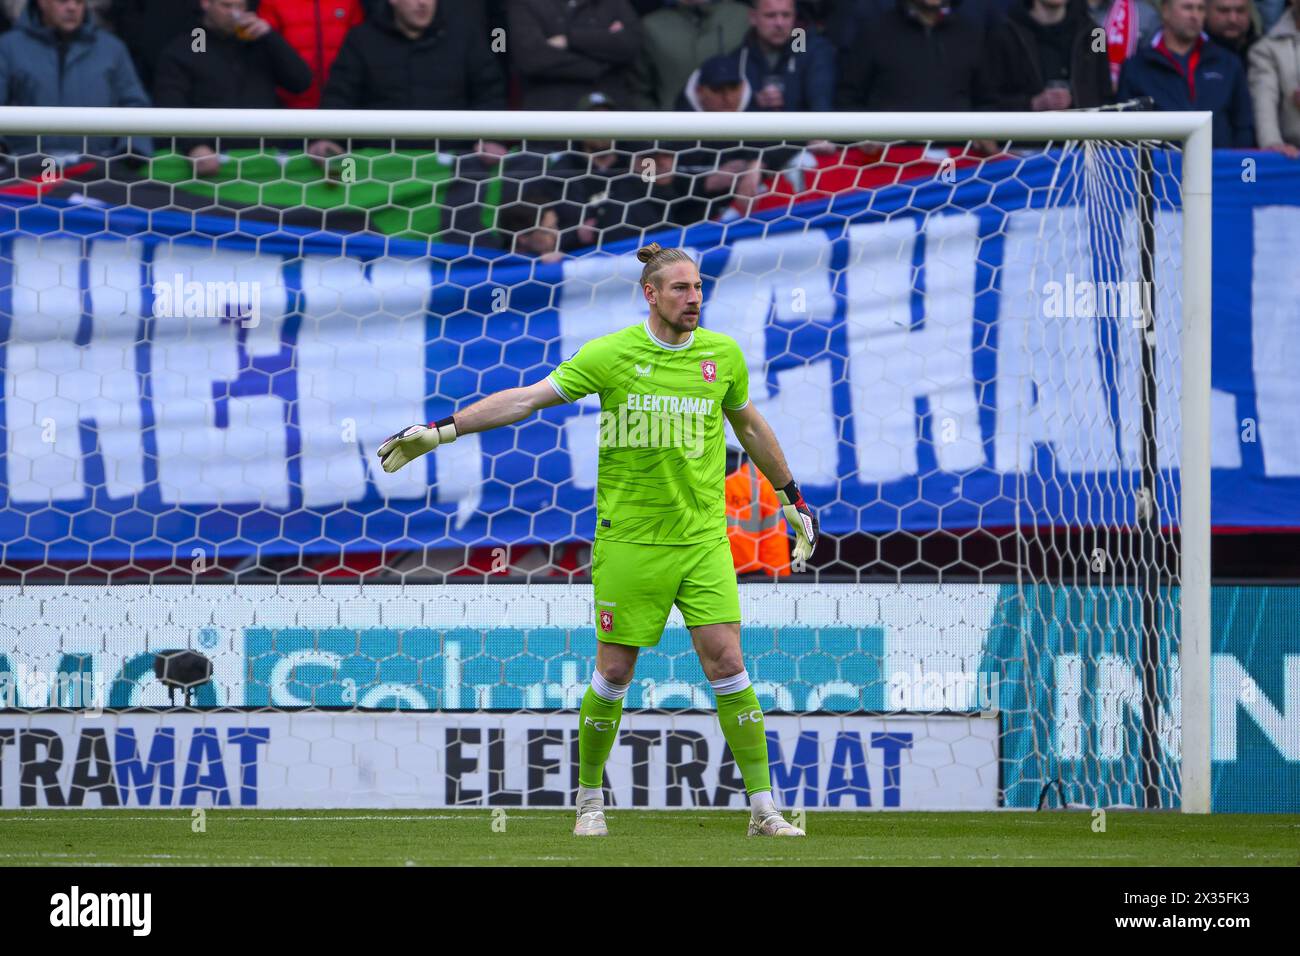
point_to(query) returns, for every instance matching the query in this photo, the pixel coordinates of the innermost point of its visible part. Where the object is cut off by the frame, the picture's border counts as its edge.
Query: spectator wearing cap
(316, 30)
(1275, 86)
(1228, 23)
(565, 48)
(718, 86)
(240, 64)
(1044, 58)
(915, 56)
(1183, 70)
(676, 40)
(730, 178)
(786, 74)
(56, 56)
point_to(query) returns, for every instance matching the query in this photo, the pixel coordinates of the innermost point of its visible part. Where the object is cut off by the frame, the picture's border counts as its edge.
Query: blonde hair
(656, 259)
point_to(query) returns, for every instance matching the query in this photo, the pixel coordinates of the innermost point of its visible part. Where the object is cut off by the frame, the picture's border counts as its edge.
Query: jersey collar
(690, 340)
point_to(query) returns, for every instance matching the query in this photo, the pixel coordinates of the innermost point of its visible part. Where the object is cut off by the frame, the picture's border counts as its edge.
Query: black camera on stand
(182, 670)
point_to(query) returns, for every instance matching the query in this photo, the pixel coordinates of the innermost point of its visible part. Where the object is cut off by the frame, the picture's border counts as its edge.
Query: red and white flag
(1121, 36)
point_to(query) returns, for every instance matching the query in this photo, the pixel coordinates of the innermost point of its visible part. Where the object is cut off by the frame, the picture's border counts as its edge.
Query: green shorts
(636, 586)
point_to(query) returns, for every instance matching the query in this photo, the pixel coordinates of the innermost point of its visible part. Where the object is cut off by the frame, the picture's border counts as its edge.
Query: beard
(683, 322)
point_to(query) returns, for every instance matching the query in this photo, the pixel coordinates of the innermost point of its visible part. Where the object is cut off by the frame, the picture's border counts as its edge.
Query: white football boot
(591, 820)
(771, 823)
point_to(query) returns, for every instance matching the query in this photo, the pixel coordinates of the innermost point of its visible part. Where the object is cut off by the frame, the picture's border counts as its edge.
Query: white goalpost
(1011, 454)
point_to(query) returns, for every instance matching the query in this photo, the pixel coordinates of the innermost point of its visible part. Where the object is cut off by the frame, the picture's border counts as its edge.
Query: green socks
(739, 715)
(742, 725)
(602, 706)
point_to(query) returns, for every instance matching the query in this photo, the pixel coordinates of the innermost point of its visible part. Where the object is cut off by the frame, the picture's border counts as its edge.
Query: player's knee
(617, 672)
(728, 664)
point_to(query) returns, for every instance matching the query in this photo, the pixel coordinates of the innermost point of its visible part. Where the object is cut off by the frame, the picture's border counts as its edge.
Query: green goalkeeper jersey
(662, 460)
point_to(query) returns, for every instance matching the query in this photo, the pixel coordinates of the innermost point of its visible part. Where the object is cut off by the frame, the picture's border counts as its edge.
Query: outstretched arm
(759, 441)
(506, 407)
(500, 408)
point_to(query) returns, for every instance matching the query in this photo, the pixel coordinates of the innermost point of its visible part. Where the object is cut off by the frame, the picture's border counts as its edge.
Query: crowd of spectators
(1239, 59)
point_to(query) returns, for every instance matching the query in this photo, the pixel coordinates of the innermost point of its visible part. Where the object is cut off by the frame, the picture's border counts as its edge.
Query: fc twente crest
(710, 370)
(607, 621)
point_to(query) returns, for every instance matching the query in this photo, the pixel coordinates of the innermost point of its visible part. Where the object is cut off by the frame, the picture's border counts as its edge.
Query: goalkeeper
(661, 517)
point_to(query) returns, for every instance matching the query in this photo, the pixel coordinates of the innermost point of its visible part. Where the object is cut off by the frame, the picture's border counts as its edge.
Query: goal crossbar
(545, 124)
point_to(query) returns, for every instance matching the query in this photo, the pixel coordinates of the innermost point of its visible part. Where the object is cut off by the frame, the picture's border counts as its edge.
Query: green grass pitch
(665, 838)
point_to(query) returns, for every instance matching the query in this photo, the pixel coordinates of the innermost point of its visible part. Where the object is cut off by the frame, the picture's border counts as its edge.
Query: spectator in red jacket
(315, 28)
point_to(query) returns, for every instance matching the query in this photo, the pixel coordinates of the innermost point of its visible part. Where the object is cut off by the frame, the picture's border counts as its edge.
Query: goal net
(981, 341)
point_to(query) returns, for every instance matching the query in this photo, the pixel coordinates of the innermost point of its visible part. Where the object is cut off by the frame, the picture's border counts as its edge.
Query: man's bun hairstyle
(657, 258)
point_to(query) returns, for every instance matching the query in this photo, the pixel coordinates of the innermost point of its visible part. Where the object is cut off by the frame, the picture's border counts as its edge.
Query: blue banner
(931, 355)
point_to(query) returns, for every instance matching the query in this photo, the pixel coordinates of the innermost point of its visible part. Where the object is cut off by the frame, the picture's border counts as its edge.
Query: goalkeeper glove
(801, 519)
(415, 440)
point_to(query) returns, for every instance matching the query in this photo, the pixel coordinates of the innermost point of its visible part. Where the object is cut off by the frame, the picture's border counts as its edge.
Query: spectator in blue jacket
(786, 72)
(56, 56)
(1182, 69)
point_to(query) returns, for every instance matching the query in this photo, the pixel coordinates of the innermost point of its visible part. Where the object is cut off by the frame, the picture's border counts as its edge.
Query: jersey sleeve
(737, 396)
(580, 375)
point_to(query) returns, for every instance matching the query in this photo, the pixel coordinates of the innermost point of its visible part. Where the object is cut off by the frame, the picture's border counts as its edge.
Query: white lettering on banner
(783, 278)
(231, 450)
(458, 476)
(75, 407)
(1116, 702)
(1070, 742)
(891, 364)
(1234, 688)
(582, 436)
(567, 692)
(1275, 347)
(1049, 386)
(54, 387)
(360, 358)
(283, 673)
(1116, 699)
(1225, 430)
